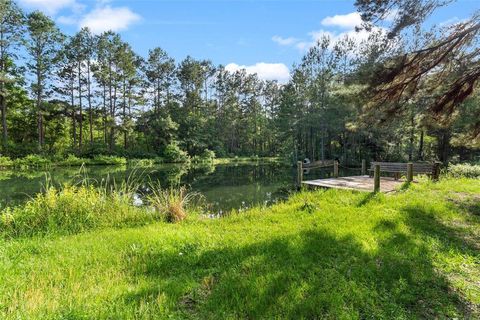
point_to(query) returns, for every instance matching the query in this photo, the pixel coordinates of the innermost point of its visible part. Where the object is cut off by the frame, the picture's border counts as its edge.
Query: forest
(406, 94)
(147, 187)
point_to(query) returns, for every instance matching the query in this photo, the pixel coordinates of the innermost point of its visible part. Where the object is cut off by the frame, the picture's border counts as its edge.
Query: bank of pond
(88, 252)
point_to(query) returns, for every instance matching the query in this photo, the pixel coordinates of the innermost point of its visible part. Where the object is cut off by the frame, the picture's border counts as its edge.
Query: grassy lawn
(322, 254)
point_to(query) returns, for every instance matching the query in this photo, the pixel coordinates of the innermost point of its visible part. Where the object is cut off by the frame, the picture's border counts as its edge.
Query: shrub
(141, 163)
(5, 162)
(90, 151)
(74, 161)
(71, 210)
(108, 160)
(32, 161)
(206, 156)
(464, 170)
(173, 203)
(174, 154)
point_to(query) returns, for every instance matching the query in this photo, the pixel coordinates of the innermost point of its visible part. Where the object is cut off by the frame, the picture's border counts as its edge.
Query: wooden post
(436, 170)
(376, 178)
(299, 173)
(364, 167)
(409, 172)
(335, 169)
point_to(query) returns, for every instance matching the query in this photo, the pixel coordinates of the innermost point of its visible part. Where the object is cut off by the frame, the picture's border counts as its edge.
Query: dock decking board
(360, 183)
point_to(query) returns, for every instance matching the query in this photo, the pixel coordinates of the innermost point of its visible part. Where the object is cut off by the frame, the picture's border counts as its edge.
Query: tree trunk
(124, 114)
(420, 146)
(112, 111)
(444, 146)
(90, 111)
(74, 115)
(3, 108)
(412, 138)
(105, 116)
(39, 108)
(3, 99)
(80, 119)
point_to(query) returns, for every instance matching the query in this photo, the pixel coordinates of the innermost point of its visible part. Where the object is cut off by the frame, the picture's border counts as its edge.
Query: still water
(224, 187)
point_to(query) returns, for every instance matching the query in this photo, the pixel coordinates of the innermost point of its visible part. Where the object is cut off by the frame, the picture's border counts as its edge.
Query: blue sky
(266, 36)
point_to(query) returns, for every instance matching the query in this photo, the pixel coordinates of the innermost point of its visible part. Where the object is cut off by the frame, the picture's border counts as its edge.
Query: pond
(224, 187)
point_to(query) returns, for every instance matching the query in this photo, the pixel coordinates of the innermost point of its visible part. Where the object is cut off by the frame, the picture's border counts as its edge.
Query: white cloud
(49, 6)
(451, 22)
(265, 71)
(334, 37)
(346, 21)
(284, 41)
(108, 18)
(67, 20)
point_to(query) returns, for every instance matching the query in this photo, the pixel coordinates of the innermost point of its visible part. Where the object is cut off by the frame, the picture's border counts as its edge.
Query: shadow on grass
(313, 274)
(406, 185)
(470, 205)
(425, 222)
(368, 197)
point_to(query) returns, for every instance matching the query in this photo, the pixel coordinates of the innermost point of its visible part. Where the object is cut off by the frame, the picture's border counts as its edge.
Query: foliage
(5, 162)
(173, 154)
(464, 170)
(108, 160)
(353, 255)
(110, 101)
(73, 161)
(207, 156)
(72, 209)
(32, 161)
(141, 163)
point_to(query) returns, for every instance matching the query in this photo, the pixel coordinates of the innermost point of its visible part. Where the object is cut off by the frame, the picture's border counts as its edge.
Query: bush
(141, 163)
(464, 170)
(32, 161)
(5, 162)
(90, 151)
(206, 156)
(108, 160)
(71, 210)
(173, 154)
(74, 161)
(138, 154)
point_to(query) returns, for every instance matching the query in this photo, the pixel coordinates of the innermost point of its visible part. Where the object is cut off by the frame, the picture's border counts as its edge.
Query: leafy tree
(11, 31)
(42, 45)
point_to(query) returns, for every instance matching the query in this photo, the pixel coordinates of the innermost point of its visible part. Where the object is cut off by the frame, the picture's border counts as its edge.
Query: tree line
(92, 94)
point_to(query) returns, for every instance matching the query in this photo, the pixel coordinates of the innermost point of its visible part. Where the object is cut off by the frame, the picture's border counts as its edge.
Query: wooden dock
(359, 183)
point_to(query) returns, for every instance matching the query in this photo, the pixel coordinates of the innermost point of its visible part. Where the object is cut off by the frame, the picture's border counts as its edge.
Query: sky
(262, 36)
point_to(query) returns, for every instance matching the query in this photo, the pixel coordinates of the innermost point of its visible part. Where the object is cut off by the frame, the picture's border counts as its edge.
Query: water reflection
(225, 187)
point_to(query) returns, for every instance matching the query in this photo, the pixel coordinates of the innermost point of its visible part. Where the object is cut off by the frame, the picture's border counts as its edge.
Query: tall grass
(174, 203)
(91, 204)
(70, 209)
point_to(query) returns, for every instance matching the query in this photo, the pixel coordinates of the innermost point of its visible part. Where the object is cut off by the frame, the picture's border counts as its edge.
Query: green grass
(73, 209)
(324, 254)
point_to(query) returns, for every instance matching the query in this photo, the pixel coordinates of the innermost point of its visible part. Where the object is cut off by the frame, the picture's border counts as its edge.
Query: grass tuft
(172, 203)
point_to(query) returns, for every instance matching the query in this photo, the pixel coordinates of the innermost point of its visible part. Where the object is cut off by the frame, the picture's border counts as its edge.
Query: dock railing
(409, 168)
